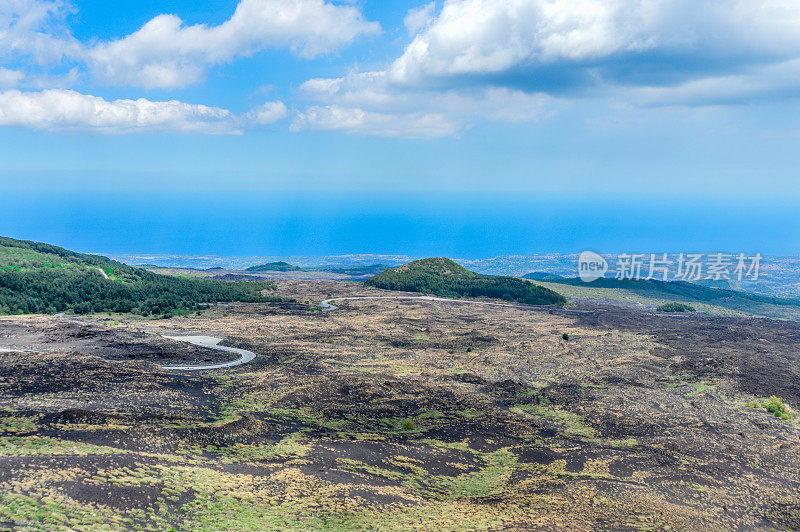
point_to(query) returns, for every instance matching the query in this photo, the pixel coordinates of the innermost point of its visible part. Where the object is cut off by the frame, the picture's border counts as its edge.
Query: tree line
(82, 292)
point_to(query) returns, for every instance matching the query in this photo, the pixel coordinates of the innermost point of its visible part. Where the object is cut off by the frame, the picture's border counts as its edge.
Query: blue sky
(665, 103)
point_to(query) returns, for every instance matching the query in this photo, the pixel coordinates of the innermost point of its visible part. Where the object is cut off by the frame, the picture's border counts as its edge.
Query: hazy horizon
(468, 225)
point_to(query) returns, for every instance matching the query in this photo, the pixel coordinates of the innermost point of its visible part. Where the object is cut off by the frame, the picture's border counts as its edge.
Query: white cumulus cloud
(10, 78)
(355, 120)
(167, 53)
(36, 30)
(751, 85)
(557, 44)
(267, 113)
(61, 110)
(418, 18)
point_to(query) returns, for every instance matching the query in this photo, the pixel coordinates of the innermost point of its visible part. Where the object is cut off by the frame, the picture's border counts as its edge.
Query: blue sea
(469, 225)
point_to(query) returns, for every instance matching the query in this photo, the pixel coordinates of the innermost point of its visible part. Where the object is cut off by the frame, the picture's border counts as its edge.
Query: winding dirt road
(212, 343)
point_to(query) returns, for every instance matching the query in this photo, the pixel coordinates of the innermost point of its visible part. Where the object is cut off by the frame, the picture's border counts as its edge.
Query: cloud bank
(515, 59)
(70, 111)
(369, 103)
(465, 61)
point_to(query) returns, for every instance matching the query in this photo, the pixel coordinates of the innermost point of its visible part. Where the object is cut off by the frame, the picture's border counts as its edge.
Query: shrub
(565, 336)
(774, 405)
(675, 307)
(409, 425)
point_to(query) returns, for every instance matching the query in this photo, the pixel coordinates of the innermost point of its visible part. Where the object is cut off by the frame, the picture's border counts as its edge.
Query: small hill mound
(445, 278)
(41, 278)
(437, 266)
(275, 267)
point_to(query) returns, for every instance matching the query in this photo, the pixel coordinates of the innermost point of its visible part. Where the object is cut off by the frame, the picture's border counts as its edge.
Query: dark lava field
(401, 415)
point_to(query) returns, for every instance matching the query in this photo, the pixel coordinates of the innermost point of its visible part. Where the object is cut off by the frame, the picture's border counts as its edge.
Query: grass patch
(699, 387)
(470, 413)
(35, 445)
(54, 514)
(16, 425)
(489, 481)
(571, 424)
(288, 448)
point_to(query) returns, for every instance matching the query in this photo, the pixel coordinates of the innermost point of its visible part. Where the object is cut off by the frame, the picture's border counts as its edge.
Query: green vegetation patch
(488, 481)
(774, 405)
(16, 425)
(445, 278)
(571, 424)
(676, 307)
(55, 514)
(287, 448)
(699, 388)
(491, 480)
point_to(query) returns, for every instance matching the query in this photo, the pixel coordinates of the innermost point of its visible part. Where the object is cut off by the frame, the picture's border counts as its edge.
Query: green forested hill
(275, 267)
(672, 289)
(445, 278)
(37, 277)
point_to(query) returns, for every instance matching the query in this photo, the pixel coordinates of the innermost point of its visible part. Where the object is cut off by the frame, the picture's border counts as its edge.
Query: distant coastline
(780, 274)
